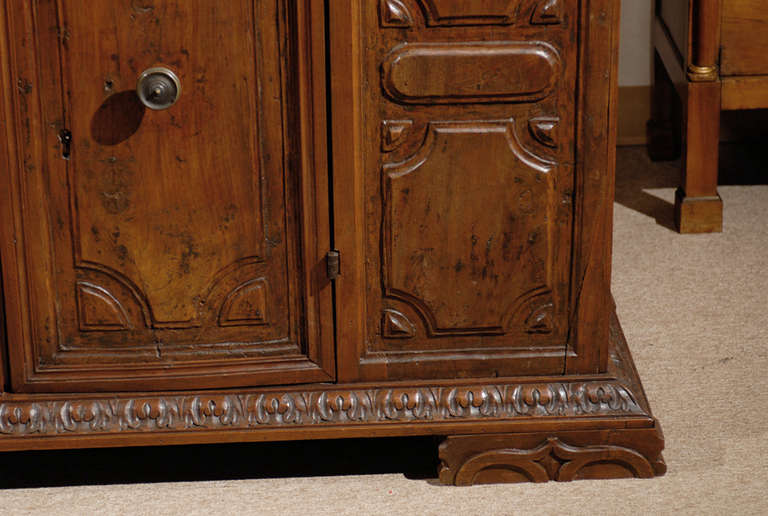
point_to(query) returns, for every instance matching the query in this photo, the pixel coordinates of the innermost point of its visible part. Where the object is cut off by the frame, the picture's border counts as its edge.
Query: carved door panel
(462, 183)
(166, 248)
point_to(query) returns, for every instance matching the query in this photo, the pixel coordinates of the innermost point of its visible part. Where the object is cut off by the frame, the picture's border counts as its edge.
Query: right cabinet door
(454, 212)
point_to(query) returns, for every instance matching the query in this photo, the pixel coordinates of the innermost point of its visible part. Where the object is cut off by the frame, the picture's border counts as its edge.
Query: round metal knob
(158, 88)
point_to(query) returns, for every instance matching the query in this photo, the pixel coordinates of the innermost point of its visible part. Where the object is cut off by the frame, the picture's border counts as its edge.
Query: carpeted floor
(695, 312)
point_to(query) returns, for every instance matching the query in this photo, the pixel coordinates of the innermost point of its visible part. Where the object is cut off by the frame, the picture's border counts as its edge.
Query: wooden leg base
(698, 214)
(561, 456)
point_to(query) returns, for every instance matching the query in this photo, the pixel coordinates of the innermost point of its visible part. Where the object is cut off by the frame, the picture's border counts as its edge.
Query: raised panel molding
(470, 12)
(431, 238)
(548, 12)
(394, 13)
(471, 72)
(394, 133)
(456, 13)
(396, 325)
(224, 276)
(246, 305)
(115, 289)
(99, 309)
(541, 319)
(231, 289)
(544, 129)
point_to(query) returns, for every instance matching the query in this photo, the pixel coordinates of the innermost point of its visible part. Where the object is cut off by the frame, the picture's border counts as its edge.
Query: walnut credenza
(271, 220)
(713, 55)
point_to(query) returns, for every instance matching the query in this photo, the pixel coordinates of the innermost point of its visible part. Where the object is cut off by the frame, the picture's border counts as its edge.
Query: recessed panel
(465, 227)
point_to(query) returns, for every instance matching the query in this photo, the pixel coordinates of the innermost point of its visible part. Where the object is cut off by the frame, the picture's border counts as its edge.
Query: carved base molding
(505, 430)
(561, 456)
(317, 407)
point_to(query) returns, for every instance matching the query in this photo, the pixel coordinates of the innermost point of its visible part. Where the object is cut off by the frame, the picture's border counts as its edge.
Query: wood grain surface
(173, 247)
(167, 275)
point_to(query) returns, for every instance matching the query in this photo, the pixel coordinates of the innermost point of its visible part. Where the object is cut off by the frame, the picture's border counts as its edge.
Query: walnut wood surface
(467, 220)
(595, 175)
(456, 179)
(175, 237)
(165, 271)
(612, 400)
(560, 456)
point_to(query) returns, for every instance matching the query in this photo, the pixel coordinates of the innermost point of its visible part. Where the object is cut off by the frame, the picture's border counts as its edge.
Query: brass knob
(158, 88)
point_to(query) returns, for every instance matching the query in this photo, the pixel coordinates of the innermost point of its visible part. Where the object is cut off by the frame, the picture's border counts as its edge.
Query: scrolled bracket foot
(559, 456)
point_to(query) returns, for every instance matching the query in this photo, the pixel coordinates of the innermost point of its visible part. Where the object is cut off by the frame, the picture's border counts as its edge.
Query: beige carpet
(695, 312)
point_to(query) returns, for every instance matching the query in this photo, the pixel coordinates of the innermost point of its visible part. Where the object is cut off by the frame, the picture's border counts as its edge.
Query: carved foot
(698, 214)
(562, 456)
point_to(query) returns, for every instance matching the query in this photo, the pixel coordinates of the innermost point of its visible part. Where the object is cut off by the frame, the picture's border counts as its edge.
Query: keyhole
(65, 138)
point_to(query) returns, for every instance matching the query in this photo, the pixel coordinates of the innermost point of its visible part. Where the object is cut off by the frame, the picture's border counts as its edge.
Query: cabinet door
(454, 173)
(173, 248)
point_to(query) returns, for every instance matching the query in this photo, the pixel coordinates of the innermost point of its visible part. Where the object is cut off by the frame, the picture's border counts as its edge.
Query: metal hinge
(333, 264)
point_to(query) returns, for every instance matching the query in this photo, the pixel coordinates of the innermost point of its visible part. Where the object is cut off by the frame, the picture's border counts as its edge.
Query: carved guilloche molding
(295, 408)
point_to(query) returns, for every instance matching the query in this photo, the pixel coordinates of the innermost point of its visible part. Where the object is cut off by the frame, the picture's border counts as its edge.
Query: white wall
(635, 52)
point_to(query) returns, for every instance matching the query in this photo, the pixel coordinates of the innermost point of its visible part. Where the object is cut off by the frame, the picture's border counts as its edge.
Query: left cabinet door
(174, 248)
